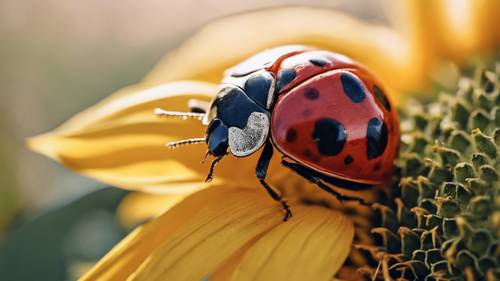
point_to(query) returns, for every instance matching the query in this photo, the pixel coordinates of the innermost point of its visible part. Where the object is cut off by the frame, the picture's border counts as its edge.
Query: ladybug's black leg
(210, 175)
(261, 172)
(317, 180)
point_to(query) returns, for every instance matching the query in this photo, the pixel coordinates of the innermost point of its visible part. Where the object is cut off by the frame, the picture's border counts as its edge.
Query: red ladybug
(325, 113)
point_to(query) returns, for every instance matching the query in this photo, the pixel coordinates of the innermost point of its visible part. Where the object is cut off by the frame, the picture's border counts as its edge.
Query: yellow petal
(262, 249)
(122, 143)
(228, 232)
(128, 255)
(311, 246)
(220, 229)
(139, 207)
(225, 270)
(447, 29)
(230, 40)
(134, 105)
(469, 27)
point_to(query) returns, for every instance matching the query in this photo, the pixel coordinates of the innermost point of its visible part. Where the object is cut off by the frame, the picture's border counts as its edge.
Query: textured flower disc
(445, 220)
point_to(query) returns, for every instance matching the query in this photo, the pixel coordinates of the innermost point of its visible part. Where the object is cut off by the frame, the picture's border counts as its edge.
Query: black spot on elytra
(285, 76)
(379, 94)
(307, 113)
(376, 138)
(319, 61)
(329, 136)
(353, 87)
(348, 160)
(307, 153)
(376, 167)
(311, 94)
(291, 135)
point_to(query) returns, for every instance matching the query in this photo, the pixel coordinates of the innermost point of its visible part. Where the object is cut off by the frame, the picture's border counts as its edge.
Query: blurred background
(58, 58)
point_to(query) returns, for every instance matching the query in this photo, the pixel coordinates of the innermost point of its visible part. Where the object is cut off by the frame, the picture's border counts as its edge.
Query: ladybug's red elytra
(325, 113)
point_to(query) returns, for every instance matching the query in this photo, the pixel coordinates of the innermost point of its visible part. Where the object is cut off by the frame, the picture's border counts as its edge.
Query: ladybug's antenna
(177, 114)
(176, 144)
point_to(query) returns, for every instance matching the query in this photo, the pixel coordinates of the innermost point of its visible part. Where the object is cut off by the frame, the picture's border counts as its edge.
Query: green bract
(444, 222)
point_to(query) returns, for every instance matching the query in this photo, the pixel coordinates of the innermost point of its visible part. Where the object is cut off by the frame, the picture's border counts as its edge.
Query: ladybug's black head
(217, 138)
(235, 123)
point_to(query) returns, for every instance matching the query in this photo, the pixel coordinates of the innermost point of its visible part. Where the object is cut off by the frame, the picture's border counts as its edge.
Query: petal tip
(42, 144)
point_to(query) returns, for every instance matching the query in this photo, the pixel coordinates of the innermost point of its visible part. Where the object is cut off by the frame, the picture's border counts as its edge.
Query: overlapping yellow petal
(220, 229)
(214, 228)
(404, 56)
(447, 29)
(230, 40)
(131, 252)
(313, 246)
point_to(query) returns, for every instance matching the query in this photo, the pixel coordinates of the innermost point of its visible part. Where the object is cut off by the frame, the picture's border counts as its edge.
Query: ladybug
(325, 113)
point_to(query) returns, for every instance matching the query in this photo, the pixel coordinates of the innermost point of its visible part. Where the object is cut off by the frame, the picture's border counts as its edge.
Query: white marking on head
(252, 137)
(270, 94)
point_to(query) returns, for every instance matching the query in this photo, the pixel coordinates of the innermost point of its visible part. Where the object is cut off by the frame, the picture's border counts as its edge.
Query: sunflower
(230, 229)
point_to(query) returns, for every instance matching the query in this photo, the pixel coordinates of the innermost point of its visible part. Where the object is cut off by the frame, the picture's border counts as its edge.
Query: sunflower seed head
(441, 217)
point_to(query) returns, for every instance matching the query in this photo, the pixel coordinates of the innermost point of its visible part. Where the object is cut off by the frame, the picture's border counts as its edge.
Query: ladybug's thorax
(243, 112)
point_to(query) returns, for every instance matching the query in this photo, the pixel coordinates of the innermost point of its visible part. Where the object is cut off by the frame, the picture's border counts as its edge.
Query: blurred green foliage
(9, 197)
(48, 246)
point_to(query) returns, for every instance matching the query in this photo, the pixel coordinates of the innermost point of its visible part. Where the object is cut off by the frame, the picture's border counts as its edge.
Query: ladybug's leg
(317, 180)
(261, 172)
(210, 175)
